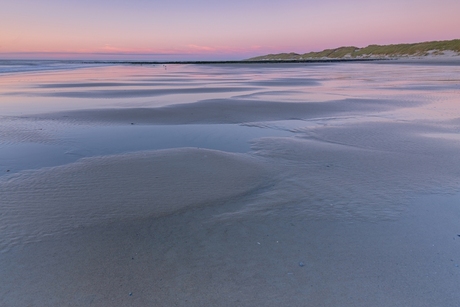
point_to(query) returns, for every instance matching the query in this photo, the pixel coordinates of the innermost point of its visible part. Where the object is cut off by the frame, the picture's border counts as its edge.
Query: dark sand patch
(226, 111)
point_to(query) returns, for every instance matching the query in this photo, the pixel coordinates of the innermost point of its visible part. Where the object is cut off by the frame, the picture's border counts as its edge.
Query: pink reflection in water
(436, 87)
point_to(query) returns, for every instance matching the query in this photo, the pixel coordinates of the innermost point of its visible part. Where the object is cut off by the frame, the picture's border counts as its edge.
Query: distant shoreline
(228, 62)
(394, 60)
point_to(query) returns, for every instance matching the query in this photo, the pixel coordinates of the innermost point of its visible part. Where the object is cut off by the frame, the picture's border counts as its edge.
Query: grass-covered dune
(434, 48)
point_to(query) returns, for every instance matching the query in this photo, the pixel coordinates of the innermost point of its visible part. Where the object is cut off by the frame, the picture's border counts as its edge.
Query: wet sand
(355, 205)
(191, 259)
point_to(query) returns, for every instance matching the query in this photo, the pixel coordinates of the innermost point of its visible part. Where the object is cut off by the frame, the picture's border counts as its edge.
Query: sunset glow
(204, 29)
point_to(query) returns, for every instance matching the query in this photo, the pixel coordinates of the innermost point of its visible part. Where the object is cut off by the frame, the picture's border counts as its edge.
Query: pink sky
(206, 29)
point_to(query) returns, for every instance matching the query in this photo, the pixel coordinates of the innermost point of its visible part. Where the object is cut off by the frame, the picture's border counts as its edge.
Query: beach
(300, 184)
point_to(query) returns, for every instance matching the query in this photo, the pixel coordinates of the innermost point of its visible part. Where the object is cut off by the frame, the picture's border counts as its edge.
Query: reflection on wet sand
(335, 185)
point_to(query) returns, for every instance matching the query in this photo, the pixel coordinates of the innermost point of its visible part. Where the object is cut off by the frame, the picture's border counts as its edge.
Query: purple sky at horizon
(214, 30)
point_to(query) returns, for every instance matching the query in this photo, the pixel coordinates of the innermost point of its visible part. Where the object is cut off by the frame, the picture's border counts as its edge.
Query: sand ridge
(98, 190)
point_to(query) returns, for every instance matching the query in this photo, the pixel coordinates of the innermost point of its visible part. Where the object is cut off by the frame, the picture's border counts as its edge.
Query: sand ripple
(112, 188)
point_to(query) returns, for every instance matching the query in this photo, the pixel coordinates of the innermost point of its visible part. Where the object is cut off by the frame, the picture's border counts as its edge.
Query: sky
(214, 30)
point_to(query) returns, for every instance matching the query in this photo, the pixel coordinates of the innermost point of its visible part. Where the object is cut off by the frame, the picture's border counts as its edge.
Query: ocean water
(192, 169)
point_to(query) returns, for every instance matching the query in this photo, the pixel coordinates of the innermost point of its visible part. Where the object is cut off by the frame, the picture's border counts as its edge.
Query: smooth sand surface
(192, 259)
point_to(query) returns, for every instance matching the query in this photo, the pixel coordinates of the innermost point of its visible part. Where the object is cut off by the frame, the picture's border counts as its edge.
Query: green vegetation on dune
(279, 56)
(372, 51)
(331, 53)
